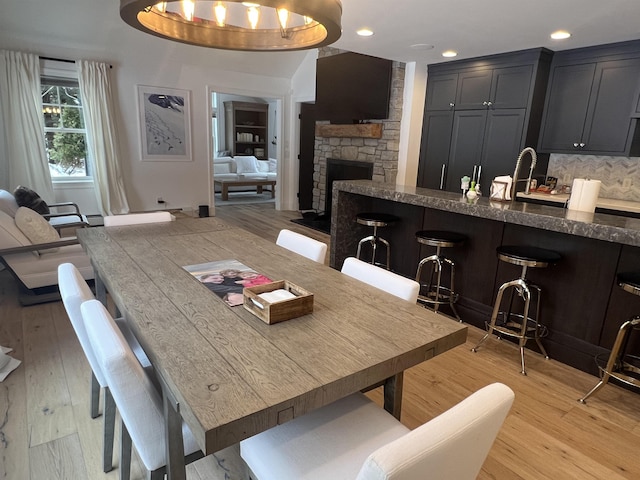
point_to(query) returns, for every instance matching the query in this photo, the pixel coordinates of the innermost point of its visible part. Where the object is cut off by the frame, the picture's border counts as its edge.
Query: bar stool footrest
(627, 371)
(512, 326)
(446, 297)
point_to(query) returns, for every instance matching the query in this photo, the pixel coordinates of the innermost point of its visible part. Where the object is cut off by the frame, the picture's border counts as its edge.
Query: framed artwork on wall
(165, 124)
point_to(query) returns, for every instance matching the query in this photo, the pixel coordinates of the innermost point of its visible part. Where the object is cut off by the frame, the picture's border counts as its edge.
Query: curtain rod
(65, 60)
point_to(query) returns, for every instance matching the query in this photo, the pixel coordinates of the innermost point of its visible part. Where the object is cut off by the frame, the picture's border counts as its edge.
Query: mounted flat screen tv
(351, 87)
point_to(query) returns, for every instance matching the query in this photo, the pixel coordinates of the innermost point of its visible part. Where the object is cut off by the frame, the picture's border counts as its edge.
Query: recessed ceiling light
(449, 53)
(560, 35)
(364, 32)
(422, 46)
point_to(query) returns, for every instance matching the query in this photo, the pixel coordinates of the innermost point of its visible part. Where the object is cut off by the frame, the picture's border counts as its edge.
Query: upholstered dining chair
(74, 291)
(137, 399)
(382, 279)
(353, 438)
(302, 245)
(137, 218)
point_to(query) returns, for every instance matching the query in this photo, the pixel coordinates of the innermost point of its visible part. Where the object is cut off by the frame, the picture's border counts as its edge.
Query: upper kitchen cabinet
(481, 113)
(590, 104)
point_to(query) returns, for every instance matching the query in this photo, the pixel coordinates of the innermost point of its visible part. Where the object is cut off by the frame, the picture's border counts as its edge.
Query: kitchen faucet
(534, 159)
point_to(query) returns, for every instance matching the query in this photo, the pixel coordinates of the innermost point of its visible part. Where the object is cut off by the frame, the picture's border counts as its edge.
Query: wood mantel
(361, 130)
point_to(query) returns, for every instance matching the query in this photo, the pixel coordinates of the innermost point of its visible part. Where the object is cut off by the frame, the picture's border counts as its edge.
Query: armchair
(35, 265)
(59, 215)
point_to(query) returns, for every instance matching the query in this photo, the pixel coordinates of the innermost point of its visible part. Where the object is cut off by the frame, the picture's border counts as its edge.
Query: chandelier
(271, 25)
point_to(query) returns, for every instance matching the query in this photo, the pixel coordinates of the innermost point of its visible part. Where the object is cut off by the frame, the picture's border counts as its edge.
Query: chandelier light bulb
(254, 16)
(220, 12)
(188, 7)
(161, 7)
(283, 17)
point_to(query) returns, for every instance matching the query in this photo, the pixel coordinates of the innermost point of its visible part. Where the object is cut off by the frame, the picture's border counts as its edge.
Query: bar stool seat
(516, 325)
(621, 365)
(376, 220)
(438, 294)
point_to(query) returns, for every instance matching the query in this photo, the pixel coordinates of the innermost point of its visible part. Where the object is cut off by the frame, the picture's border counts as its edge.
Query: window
(65, 132)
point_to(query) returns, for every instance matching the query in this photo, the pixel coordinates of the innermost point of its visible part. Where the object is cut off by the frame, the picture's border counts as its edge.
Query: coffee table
(245, 182)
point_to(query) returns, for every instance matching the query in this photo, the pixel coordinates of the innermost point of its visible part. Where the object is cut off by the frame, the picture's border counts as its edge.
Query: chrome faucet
(516, 172)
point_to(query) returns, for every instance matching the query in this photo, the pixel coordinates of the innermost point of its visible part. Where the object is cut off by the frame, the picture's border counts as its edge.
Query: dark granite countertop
(600, 226)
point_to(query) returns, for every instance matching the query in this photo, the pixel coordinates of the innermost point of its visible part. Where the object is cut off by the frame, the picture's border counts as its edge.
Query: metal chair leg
(125, 453)
(109, 419)
(95, 396)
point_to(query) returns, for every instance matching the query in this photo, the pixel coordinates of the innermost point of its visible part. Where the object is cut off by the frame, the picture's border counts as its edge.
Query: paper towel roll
(584, 195)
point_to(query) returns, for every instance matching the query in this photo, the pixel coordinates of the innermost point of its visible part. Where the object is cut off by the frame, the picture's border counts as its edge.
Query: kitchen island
(582, 306)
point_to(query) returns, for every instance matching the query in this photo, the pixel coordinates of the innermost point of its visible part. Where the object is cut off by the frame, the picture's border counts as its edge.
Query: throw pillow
(10, 234)
(273, 165)
(8, 203)
(36, 228)
(25, 197)
(246, 164)
(263, 166)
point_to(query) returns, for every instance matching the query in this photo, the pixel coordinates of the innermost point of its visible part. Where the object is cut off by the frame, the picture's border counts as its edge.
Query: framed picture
(165, 124)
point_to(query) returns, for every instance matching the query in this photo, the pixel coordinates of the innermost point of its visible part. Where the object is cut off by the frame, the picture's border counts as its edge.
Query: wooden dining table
(224, 371)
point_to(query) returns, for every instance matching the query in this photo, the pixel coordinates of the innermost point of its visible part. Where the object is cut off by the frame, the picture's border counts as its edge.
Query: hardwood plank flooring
(46, 431)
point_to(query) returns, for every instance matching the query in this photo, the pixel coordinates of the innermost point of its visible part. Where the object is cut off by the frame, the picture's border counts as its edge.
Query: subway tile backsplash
(620, 176)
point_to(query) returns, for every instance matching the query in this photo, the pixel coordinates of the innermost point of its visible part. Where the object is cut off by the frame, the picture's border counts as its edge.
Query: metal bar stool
(376, 220)
(520, 326)
(438, 294)
(621, 364)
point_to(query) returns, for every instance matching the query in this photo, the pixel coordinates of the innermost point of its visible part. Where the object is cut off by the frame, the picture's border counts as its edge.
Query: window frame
(66, 71)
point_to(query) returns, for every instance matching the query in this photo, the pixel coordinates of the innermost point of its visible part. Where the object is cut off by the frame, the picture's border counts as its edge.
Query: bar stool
(621, 364)
(438, 294)
(376, 220)
(520, 326)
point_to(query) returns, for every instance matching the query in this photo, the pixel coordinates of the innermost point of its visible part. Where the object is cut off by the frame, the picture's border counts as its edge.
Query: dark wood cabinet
(590, 101)
(247, 128)
(494, 115)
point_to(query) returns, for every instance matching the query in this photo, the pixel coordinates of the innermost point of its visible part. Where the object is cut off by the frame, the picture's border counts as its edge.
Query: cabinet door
(466, 146)
(566, 107)
(510, 87)
(441, 91)
(503, 138)
(474, 88)
(434, 150)
(609, 117)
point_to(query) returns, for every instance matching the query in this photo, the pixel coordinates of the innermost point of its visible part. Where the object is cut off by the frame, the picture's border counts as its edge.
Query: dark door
(466, 146)
(434, 150)
(307, 147)
(441, 92)
(474, 88)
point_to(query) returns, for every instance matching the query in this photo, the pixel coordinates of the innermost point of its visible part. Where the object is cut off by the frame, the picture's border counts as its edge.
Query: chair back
(8, 203)
(137, 218)
(74, 292)
(137, 400)
(453, 445)
(302, 245)
(390, 282)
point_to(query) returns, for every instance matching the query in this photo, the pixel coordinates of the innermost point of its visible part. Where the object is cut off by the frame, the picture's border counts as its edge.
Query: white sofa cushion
(221, 168)
(273, 165)
(35, 227)
(246, 164)
(263, 166)
(8, 203)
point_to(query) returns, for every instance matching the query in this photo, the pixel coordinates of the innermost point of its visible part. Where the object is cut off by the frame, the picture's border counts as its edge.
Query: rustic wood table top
(231, 374)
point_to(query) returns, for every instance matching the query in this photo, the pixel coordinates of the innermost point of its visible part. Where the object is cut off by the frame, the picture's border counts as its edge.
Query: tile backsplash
(620, 176)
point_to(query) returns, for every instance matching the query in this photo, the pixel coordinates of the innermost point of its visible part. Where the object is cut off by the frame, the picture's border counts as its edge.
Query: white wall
(140, 59)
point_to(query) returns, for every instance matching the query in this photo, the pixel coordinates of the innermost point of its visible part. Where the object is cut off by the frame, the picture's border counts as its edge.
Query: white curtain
(21, 104)
(99, 108)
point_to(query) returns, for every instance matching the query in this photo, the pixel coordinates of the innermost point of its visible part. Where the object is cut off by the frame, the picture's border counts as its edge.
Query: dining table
(225, 372)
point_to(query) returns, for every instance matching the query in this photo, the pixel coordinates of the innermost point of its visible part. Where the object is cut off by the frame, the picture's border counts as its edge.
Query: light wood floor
(46, 432)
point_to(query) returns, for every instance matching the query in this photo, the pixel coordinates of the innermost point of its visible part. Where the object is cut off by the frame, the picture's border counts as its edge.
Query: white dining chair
(354, 438)
(74, 292)
(136, 397)
(302, 245)
(137, 218)
(390, 282)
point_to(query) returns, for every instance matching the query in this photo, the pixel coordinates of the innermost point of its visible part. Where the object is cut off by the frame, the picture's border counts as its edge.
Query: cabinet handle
(451, 104)
(582, 145)
(485, 103)
(576, 145)
(489, 104)
(444, 167)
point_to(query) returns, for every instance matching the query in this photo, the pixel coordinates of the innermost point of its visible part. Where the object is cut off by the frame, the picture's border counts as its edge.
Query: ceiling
(472, 27)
